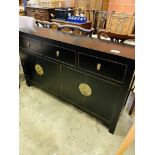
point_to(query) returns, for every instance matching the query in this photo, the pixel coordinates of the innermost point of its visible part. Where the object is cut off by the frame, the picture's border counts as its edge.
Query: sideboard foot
(28, 83)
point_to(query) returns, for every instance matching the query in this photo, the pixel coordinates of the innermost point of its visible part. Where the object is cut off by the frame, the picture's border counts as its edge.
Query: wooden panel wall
(92, 4)
(69, 3)
(125, 6)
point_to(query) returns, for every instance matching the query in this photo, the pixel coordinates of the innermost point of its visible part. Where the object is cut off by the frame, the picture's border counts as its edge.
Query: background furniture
(21, 12)
(65, 28)
(93, 75)
(132, 108)
(40, 13)
(46, 24)
(118, 27)
(114, 36)
(86, 25)
(75, 30)
(63, 14)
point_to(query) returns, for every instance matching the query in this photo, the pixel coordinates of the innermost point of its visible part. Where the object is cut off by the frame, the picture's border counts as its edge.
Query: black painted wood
(75, 64)
(109, 69)
(50, 78)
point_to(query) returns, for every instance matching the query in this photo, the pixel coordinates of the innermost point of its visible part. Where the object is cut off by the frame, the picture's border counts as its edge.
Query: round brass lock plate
(39, 69)
(85, 89)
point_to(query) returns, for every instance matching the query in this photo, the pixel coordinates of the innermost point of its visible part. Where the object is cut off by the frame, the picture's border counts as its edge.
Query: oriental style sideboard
(91, 74)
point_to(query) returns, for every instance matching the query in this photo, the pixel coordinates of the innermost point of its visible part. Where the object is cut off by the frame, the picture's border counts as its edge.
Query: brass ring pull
(85, 89)
(98, 66)
(57, 53)
(39, 69)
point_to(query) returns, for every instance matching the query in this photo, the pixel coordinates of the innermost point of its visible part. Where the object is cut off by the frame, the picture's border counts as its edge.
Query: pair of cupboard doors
(95, 95)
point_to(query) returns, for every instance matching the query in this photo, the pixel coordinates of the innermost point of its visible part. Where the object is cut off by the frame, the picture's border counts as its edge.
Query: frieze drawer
(110, 69)
(30, 44)
(59, 53)
(43, 14)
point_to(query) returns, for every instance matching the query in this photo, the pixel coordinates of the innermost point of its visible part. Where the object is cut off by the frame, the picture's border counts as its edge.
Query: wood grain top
(119, 49)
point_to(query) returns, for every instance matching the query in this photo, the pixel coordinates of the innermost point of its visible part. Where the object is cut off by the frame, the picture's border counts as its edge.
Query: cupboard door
(103, 98)
(40, 71)
(70, 81)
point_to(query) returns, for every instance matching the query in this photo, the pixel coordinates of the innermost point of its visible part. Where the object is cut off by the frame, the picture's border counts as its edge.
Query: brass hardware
(28, 44)
(39, 69)
(98, 66)
(57, 53)
(85, 89)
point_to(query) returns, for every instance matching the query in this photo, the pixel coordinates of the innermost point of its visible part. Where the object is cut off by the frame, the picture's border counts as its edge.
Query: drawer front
(59, 53)
(43, 15)
(30, 12)
(30, 44)
(106, 68)
(40, 14)
(42, 11)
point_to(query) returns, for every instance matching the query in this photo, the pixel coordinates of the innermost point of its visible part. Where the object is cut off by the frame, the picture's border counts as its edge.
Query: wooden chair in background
(119, 27)
(46, 24)
(104, 34)
(91, 14)
(75, 30)
(54, 26)
(65, 28)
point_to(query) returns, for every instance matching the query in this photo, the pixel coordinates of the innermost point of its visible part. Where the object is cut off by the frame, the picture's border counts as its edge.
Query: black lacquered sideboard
(93, 75)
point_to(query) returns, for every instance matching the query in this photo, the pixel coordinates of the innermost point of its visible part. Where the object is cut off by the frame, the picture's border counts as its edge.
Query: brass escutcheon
(98, 66)
(39, 69)
(85, 89)
(57, 53)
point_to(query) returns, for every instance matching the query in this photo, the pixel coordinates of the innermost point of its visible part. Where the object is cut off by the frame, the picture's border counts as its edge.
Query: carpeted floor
(49, 126)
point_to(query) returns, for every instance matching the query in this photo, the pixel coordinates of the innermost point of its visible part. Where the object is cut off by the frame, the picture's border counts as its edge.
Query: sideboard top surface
(127, 51)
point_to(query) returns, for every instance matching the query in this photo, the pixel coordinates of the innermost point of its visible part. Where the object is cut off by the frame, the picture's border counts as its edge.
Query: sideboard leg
(111, 130)
(28, 83)
(112, 125)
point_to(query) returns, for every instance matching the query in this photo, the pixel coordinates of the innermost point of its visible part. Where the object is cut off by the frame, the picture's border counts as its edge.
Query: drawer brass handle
(57, 53)
(39, 69)
(85, 89)
(98, 66)
(28, 44)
